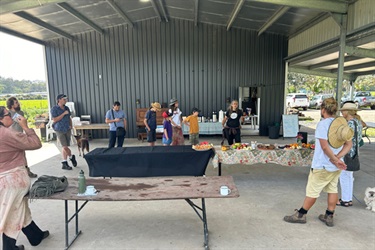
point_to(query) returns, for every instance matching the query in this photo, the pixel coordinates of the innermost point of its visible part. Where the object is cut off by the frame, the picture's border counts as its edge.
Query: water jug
(81, 182)
(221, 116)
(214, 117)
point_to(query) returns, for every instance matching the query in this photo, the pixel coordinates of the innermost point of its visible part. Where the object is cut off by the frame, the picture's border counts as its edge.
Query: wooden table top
(92, 126)
(158, 188)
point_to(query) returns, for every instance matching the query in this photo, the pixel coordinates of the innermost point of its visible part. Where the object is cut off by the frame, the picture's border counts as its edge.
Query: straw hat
(349, 106)
(156, 106)
(339, 132)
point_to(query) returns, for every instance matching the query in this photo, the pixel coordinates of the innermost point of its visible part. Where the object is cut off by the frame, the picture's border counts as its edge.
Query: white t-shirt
(176, 116)
(321, 160)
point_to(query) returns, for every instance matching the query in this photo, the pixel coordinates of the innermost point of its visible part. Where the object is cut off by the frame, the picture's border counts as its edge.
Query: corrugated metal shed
(201, 66)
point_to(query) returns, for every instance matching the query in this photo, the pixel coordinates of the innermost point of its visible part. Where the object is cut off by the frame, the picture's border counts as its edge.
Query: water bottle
(81, 182)
(214, 117)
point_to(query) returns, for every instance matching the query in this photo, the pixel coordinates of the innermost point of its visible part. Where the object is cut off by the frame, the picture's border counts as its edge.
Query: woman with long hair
(177, 137)
(231, 123)
(15, 182)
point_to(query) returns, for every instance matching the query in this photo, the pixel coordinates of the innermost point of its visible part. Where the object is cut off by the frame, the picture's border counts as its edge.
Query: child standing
(150, 122)
(192, 122)
(167, 128)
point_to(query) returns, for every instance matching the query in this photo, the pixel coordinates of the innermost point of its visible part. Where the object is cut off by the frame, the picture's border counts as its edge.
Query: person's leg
(34, 234)
(230, 137)
(191, 139)
(10, 243)
(112, 139)
(237, 136)
(120, 141)
(345, 179)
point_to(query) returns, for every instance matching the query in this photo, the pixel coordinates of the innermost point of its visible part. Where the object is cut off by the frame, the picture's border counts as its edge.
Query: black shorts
(151, 135)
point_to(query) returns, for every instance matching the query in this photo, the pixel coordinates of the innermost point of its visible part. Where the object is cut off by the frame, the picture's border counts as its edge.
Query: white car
(297, 100)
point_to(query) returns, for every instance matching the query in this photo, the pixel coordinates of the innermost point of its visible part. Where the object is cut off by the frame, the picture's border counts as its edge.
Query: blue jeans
(112, 140)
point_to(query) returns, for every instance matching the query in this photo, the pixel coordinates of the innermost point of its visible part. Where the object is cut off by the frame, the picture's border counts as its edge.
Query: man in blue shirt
(115, 118)
(62, 124)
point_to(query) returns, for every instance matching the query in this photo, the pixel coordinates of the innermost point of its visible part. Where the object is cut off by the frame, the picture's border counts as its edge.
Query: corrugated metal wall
(360, 14)
(155, 61)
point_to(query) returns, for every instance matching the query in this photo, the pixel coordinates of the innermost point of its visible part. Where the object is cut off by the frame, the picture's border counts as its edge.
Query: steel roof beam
(163, 10)
(156, 9)
(281, 11)
(326, 73)
(14, 33)
(332, 62)
(355, 51)
(81, 17)
(120, 12)
(14, 6)
(43, 24)
(322, 5)
(235, 12)
(357, 66)
(196, 8)
(364, 73)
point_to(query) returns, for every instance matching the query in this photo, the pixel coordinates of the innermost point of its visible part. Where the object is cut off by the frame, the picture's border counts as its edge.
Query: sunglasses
(9, 114)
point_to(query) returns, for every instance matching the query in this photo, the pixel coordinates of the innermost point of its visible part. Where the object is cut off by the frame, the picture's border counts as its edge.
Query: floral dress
(359, 134)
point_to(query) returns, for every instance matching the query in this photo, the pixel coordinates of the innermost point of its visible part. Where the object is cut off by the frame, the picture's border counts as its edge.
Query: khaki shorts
(64, 138)
(321, 180)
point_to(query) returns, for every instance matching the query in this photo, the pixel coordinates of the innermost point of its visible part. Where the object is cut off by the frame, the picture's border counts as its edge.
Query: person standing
(15, 214)
(62, 124)
(167, 129)
(14, 107)
(150, 123)
(178, 137)
(192, 122)
(232, 128)
(349, 112)
(116, 118)
(333, 138)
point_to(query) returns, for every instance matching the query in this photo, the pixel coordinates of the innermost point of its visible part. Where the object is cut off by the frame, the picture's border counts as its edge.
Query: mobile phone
(15, 117)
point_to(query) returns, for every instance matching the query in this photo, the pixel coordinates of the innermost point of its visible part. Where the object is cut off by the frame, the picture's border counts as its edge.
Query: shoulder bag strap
(356, 137)
(113, 115)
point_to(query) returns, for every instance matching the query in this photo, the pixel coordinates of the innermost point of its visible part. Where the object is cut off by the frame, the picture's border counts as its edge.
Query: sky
(21, 59)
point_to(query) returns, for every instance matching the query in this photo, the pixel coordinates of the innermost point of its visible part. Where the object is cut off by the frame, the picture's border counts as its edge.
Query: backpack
(47, 185)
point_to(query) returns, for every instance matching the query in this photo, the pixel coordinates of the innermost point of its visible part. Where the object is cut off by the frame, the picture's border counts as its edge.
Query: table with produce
(295, 154)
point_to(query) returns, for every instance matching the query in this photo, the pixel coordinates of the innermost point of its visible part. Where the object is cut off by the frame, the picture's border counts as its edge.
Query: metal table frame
(200, 211)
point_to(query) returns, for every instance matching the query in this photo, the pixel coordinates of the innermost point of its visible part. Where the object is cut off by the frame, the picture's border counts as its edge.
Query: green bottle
(81, 182)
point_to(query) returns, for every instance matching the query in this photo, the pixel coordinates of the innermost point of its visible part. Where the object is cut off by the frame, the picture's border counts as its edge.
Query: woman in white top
(178, 137)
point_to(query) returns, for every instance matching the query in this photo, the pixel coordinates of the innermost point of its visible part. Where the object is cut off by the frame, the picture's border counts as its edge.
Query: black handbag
(352, 163)
(120, 131)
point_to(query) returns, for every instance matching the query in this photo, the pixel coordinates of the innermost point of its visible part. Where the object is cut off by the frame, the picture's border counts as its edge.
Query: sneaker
(296, 218)
(328, 219)
(66, 166)
(73, 160)
(31, 174)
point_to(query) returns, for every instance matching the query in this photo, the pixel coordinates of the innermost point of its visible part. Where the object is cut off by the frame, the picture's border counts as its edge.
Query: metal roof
(43, 21)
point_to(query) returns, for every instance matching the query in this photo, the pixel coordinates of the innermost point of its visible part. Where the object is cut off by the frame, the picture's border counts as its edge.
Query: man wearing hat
(62, 124)
(333, 138)
(150, 122)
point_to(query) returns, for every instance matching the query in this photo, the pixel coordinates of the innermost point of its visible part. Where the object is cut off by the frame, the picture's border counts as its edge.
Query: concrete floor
(268, 192)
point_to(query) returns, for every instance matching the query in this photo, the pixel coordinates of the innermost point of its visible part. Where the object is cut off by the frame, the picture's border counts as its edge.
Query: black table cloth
(147, 161)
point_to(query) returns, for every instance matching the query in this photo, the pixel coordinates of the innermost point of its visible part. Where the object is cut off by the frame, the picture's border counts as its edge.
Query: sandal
(350, 203)
(343, 203)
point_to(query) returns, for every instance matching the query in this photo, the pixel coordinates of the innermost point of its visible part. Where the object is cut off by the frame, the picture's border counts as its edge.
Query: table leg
(203, 218)
(365, 135)
(219, 169)
(67, 220)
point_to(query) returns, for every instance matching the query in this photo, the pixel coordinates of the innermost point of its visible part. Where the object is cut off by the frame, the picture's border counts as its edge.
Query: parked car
(317, 100)
(362, 99)
(297, 100)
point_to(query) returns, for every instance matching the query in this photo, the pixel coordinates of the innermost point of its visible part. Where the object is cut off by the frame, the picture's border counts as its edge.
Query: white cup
(224, 190)
(90, 190)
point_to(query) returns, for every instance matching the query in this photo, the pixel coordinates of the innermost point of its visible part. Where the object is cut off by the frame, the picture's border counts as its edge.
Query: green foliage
(31, 108)
(10, 86)
(317, 84)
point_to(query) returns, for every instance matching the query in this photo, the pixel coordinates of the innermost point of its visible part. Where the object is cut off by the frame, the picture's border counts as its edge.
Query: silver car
(317, 100)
